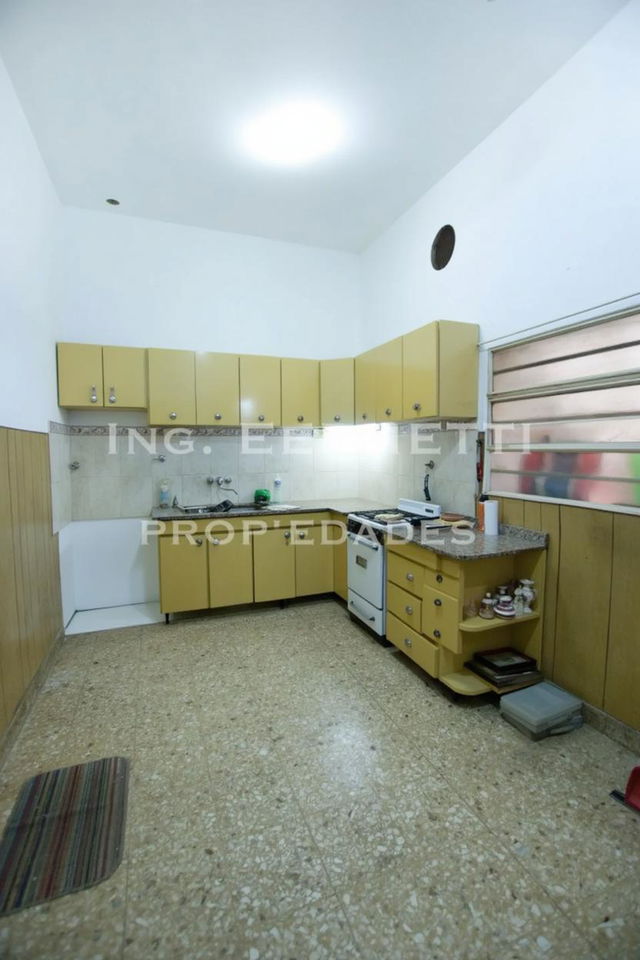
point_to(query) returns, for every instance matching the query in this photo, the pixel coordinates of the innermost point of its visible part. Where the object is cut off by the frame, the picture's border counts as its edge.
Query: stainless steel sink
(199, 511)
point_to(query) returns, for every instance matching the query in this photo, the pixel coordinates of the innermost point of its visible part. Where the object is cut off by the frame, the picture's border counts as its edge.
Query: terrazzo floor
(298, 791)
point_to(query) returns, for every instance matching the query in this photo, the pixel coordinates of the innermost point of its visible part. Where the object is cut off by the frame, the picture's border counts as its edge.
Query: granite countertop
(472, 545)
(344, 505)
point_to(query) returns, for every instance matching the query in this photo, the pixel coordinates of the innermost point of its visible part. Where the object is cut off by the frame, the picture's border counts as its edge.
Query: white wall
(546, 210)
(28, 215)
(124, 280)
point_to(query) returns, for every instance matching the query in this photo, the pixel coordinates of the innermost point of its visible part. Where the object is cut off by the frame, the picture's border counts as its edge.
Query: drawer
(404, 605)
(422, 650)
(406, 573)
(440, 619)
(441, 581)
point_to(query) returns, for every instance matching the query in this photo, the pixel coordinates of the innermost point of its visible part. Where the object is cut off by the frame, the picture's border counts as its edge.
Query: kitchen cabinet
(300, 392)
(184, 578)
(230, 569)
(440, 371)
(172, 387)
(337, 391)
(260, 392)
(80, 383)
(125, 377)
(313, 561)
(388, 381)
(217, 389)
(274, 565)
(365, 387)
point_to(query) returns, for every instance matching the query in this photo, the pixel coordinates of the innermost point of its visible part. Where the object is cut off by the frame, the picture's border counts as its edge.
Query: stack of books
(505, 668)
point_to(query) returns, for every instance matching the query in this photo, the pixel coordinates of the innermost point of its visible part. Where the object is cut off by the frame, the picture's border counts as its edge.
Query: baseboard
(614, 729)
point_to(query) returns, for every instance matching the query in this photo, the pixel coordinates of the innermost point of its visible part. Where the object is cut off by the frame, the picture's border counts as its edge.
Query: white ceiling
(141, 99)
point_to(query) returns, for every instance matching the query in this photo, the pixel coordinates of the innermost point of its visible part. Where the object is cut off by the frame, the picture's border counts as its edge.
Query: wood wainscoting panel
(512, 511)
(11, 675)
(622, 684)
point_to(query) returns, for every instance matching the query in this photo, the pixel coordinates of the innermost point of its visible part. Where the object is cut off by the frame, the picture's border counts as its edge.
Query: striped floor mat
(65, 833)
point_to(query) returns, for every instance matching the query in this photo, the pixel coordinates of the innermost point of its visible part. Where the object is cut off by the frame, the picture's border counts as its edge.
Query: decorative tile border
(61, 428)
(80, 430)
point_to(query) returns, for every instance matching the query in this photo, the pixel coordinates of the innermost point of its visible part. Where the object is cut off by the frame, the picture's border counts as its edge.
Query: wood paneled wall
(30, 606)
(591, 638)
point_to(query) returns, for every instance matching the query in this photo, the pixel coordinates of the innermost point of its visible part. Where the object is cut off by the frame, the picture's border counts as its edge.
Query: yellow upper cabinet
(336, 391)
(218, 389)
(172, 387)
(125, 377)
(440, 371)
(300, 392)
(80, 375)
(260, 390)
(365, 387)
(388, 379)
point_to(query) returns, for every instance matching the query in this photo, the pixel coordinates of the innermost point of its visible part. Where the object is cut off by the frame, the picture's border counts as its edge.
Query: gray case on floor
(542, 710)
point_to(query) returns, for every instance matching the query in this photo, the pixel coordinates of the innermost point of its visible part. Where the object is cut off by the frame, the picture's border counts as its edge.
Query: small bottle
(165, 495)
(277, 491)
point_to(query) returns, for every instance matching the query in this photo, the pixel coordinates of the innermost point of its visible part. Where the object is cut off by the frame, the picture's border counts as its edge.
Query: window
(565, 415)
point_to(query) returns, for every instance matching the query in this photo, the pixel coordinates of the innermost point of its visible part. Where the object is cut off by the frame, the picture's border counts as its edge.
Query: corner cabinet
(172, 387)
(426, 598)
(440, 371)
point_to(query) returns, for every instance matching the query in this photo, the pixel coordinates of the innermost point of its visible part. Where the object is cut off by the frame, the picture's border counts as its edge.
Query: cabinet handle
(173, 415)
(387, 412)
(112, 395)
(337, 418)
(199, 541)
(302, 534)
(287, 535)
(417, 406)
(217, 416)
(409, 609)
(437, 603)
(364, 416)
(439, 578)
(215, 542)
(437, 634)
(300, 418)
(407, 642)
(261, 418)
(93, 396)
(410, 577)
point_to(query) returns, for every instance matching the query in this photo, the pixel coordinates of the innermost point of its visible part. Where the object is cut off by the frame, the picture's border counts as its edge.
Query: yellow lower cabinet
(422, 651)
(314, 561)
(404, 606)
(440, 618)
(406, 573)
(230, 569)
(274, 565)
(184, 578)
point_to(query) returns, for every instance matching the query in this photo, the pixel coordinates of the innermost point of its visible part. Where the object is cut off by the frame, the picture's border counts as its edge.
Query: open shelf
(468, 684)
(479, 624)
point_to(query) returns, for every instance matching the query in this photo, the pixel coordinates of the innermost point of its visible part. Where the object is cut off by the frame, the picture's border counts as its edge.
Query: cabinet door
(184, 581)
(314, 561)
(80, 375)
(274, 568)
(388, 378)
(230, 570)
(336, 391)
(172, 387)
(218, 389)
(300, 392)
(125, 377)
(458, 369)
(420, 373)
(260, 390)
(365, 387)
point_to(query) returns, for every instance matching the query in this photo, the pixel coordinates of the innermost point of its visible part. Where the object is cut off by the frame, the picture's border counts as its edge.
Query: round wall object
(442, 247)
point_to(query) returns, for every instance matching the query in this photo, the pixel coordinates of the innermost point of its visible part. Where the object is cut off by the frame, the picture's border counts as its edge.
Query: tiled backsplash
(118, 477)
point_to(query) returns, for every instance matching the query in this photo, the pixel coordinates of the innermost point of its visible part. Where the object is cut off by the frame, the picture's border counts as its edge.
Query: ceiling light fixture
(293, 134)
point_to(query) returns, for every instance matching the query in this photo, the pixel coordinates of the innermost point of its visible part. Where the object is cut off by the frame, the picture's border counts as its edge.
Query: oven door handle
(363, 542)
(361, 613)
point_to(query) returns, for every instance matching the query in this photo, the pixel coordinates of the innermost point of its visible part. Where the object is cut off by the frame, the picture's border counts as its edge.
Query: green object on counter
(262, 496)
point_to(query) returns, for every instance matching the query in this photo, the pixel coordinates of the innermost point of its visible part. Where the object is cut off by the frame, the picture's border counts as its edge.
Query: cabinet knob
(387, 412)
(215, 542)
(261, 418)
(93, 395)
(302, 535)
(199, 541)
(439, 578)
(112, 395)
(217, 416)
(364, 416)
(437, 634)
(300, 418)
(337, 418)
(173, 415)
(437, 603)
(417, 406)
(410, 577)
(287, 535)
(407, 641)
(409, 609)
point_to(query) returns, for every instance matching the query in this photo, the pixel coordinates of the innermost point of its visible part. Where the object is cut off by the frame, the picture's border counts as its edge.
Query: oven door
(365, 568)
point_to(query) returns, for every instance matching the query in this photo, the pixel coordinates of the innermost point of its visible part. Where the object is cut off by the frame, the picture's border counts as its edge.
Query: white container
(491, 518)
(542, 710)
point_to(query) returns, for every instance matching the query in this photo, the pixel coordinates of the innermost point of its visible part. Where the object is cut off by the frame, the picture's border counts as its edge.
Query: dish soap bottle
(277, 491)
(165, 495)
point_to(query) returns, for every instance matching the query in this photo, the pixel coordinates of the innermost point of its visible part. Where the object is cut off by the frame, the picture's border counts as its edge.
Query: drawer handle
(337, 418)
(215, 542)
(409, 609)
(407, 642)
(300, 418)
(302, 535)
(437, 634)
(173, 415)
(439, 578)
(410, 577)
(199, 541)
(217, 416)
(387, 412)
(287, 535)
(261, 418)
(437, 603)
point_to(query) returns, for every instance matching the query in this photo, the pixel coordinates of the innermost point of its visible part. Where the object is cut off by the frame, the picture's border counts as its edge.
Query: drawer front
(422, 650)
(442, 582)
(406, 574)
(440, 619)
(404, 605)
